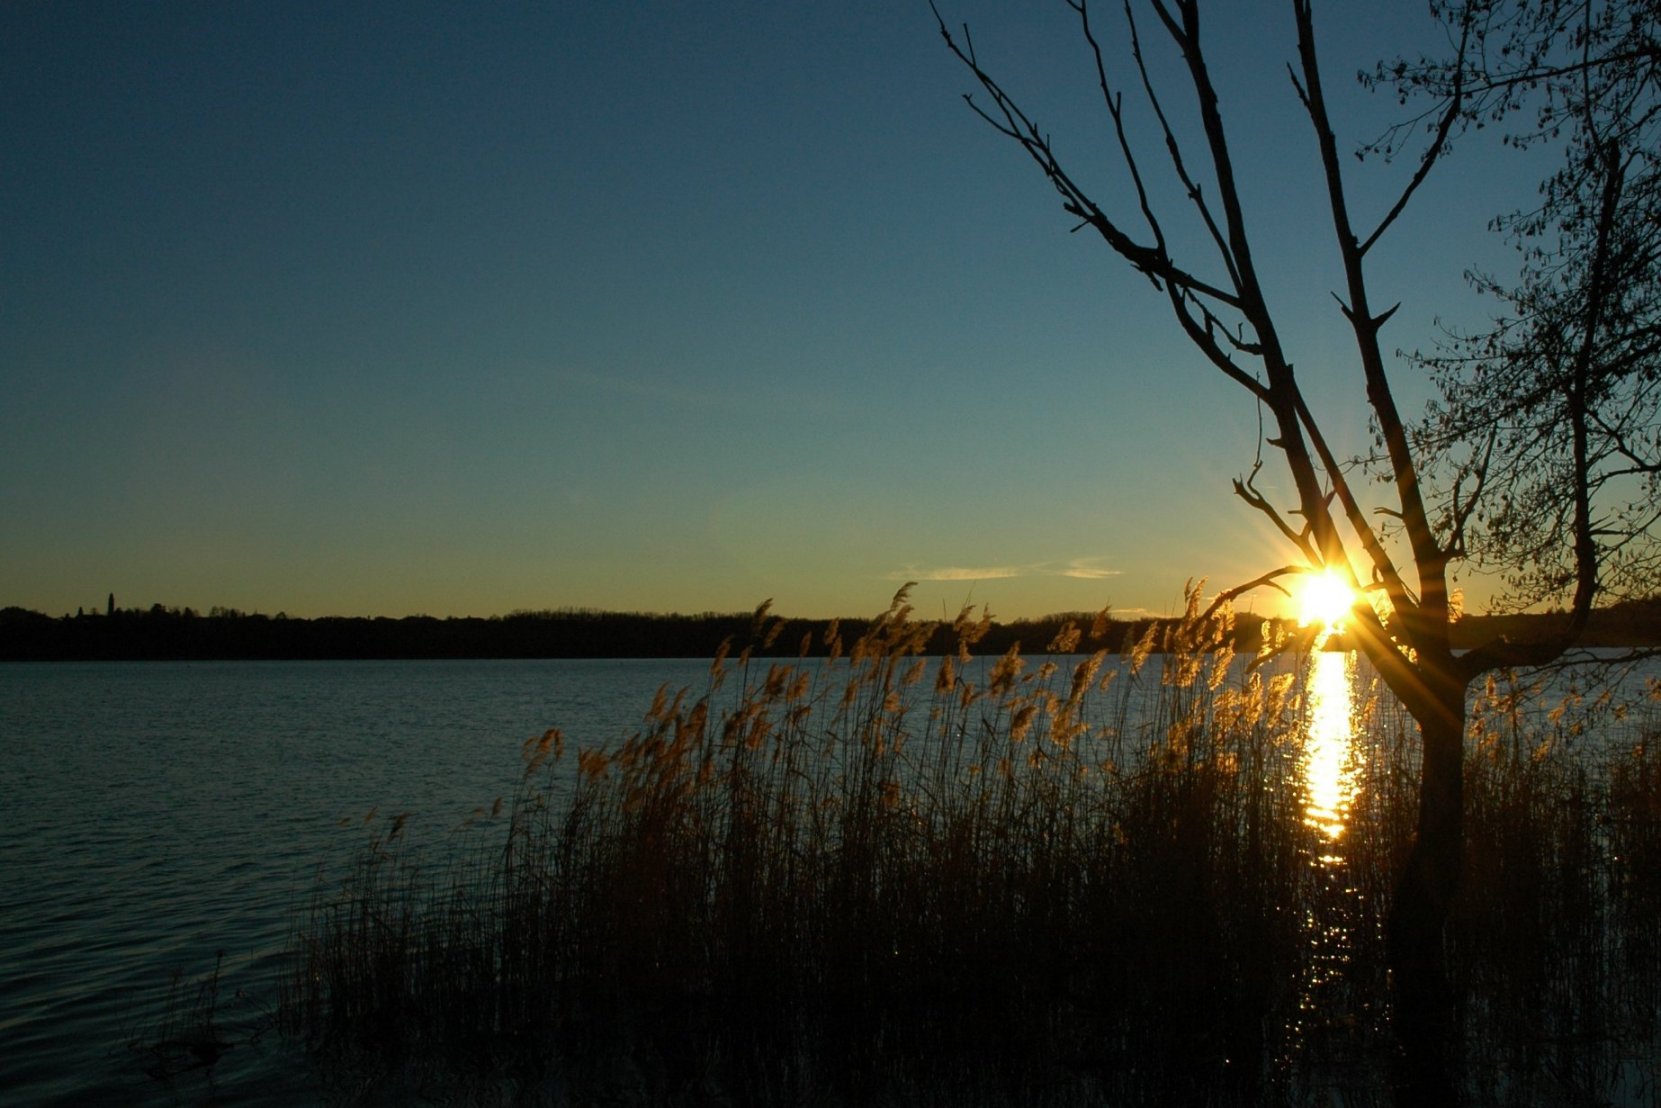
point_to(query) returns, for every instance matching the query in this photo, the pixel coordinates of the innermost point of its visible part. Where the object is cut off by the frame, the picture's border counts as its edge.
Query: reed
(876, 878)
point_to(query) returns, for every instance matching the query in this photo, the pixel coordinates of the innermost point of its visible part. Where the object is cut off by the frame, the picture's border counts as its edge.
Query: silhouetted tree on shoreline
(1474, 481)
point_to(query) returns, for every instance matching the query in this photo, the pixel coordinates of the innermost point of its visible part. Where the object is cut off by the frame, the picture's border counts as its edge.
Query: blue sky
(460, 309)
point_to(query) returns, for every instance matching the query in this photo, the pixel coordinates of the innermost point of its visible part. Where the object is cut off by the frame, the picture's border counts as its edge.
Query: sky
(385, 309)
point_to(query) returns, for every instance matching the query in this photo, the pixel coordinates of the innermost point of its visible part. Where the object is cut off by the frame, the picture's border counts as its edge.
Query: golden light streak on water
(1329, 1009)
(1328, 768)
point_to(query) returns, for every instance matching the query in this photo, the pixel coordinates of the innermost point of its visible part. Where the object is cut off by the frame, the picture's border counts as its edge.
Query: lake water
(158, 814)
(155, 814)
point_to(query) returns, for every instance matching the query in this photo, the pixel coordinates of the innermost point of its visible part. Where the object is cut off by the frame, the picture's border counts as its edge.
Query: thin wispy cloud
(956, 573)
(1083, 569)
(1089, 569)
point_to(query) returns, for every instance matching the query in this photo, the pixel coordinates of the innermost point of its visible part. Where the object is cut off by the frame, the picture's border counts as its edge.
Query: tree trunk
(1425, 1021)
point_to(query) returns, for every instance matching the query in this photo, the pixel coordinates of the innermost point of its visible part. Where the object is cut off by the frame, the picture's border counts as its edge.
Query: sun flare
(1325, 600)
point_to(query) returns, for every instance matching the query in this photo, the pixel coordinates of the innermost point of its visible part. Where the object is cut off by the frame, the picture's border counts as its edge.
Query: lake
(157, 815)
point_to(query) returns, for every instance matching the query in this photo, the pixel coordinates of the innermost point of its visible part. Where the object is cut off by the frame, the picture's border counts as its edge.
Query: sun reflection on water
(1329, 1011)
(1328, 768)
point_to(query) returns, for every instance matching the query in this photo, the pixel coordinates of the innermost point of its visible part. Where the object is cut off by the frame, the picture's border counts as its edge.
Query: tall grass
(881, 878)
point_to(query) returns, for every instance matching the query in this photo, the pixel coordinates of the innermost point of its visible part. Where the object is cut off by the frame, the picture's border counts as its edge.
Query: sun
(1325, 600)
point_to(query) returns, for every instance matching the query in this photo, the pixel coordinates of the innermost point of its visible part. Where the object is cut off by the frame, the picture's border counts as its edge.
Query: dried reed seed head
(1005, 671)
(1021, 724)
(1064, 729)
(1083, 674)
(772, 635)
(690, 728)
(1184, 673)
(1193, 591)
(1066, 639)
(537, 748)
(967, 628)
(592, 763)
(1142, 648)
(1221, 659)
(1280, 696)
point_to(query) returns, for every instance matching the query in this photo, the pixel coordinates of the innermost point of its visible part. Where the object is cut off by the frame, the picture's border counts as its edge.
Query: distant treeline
(1629, 623)
(160, 632)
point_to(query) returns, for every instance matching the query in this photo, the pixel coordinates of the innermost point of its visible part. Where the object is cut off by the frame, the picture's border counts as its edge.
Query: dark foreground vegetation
(886, 881)
(160, 633)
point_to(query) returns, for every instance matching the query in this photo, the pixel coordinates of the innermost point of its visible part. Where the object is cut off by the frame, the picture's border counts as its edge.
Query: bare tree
(1555, 405)
(1542, 419)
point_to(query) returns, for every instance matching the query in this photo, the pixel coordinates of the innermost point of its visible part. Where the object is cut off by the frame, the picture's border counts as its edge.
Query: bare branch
(1008, 119)
(1434, 150)
(1174, 149)
(1430, 560)
(1246, 490)
(1202, 333)
(1269, 580)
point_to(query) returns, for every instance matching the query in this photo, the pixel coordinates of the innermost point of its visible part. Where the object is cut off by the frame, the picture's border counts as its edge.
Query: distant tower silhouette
(110, 611)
